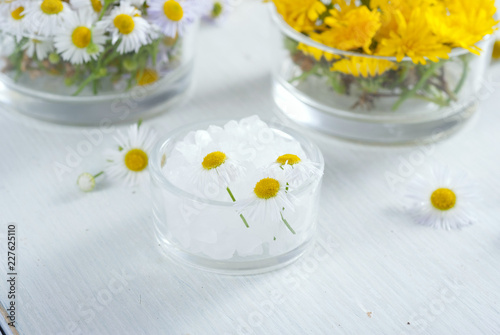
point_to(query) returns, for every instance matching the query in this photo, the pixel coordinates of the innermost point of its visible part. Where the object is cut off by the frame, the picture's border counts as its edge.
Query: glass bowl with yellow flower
(85, 62)
(382, 71)
(235, 197)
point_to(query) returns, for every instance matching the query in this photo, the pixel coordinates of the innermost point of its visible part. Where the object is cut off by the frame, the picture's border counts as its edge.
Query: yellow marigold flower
(413, 39)
(316, 53)
(363, 66)
(301, 15)
(466, 24)
(351, 28)
(388, 16)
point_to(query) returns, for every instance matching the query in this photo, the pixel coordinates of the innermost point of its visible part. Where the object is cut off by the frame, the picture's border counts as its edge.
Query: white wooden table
(90, 264)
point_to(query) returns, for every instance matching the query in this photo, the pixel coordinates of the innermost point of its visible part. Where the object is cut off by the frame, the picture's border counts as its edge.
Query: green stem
(95, 86)
(335, 81)
(84, 83)
(244, 220)
(306, 74)
(100, 173)
(403, 75)
(465, 72)
(286, 223)
(234, 200)
(231, 194)
(411, 93)
(107, 3)
(111, 58)
(155, 51)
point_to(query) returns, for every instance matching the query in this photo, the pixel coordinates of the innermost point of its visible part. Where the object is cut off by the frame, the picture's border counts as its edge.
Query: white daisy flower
(39, 48)
(86, 181)
(172, 16)
(94, 6)
(440, 199)
(299, 170)
(211, 167)
(216, 167)
(14, 18)
(127, 26)
(7, 6)
(80, 42)
(131, 161)
(268, 205)
(44, 18)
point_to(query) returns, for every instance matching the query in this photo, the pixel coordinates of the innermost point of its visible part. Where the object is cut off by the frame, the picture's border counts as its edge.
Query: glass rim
(292, 33)
(156, 170)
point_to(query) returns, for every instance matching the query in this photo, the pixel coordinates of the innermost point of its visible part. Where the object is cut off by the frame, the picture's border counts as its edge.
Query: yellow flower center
(443, 199)
(51, 7)
(136, 160)
(217, 9)
(173, 10)
(16, 14)
(81, 37)
(147, 77)
(96, 5)
(267, 188)
(213, 160)
(291, 159)
(124, 23)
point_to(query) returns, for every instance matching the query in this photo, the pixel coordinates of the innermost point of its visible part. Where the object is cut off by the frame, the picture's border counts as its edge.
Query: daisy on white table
(129, 162)
(442, 199)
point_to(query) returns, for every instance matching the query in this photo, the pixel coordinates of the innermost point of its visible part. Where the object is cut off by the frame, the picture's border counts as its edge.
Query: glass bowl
(42, 89)
(225, 244)
(398, 102)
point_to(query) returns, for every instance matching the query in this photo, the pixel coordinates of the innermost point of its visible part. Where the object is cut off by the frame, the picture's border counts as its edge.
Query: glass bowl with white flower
(83, 61)
(382, 71)
(236, 197)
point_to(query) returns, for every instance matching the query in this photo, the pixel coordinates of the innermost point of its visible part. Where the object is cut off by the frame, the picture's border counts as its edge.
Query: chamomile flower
(172, 16)
(45, 17)
(93, 6)
(299, 170)
(268, 204)
(14, 21)
(213, 166)
(219, 168)
(80, 41)
(39, 48)
(128, 28)
(441, 199)
(130, 161)
(86, 181)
